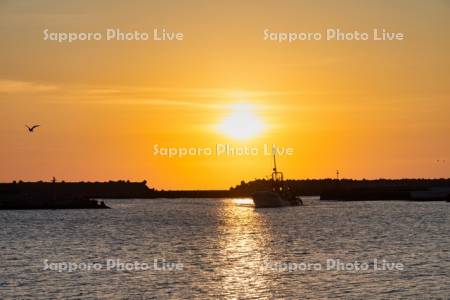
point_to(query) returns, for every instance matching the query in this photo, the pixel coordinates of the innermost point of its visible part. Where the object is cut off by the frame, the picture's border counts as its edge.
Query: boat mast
(276, 176)
(274, 162)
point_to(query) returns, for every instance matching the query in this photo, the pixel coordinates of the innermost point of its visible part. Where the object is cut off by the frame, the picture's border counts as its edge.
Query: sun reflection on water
(244, 247)
(243, 201)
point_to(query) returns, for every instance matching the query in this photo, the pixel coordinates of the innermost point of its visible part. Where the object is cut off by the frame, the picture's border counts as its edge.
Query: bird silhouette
(31, 129)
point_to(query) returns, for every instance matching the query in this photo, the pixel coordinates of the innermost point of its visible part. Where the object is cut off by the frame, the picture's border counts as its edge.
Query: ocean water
(206, 248)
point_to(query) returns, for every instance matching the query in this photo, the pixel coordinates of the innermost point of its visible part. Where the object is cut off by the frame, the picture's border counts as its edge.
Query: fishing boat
(279, 195)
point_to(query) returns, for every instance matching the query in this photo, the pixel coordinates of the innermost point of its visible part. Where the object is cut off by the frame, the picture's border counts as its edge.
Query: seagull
(31, 129)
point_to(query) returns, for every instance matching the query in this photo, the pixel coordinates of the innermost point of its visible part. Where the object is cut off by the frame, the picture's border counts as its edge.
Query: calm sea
(206, 248)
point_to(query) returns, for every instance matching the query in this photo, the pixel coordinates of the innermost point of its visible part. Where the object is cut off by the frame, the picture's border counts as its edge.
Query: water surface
(228, 249)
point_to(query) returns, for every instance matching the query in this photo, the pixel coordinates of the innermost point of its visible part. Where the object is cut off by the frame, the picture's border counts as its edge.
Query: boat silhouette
(279, 195)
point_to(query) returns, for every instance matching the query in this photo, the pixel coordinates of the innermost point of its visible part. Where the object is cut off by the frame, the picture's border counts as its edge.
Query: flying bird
(31, 129)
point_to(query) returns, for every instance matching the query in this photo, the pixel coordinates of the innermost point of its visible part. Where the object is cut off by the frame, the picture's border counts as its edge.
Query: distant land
(34, 195)
(358, 190)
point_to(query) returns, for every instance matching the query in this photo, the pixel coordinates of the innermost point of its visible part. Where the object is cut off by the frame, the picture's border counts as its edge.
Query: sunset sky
(368, 108)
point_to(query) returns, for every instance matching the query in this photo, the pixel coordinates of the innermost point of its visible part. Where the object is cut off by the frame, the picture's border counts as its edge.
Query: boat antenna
(274, 161)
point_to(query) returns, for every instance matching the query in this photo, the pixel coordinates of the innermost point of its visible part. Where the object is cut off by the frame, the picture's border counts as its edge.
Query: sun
(242, 123)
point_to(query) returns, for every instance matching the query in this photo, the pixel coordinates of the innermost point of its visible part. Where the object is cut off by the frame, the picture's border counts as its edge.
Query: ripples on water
(224, 246)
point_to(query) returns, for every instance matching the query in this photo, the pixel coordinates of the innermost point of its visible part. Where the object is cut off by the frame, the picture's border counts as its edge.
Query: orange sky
(370, 109)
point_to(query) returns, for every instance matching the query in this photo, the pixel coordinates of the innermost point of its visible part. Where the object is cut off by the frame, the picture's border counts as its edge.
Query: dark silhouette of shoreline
(55, 195)
(358, 190)
(45, 195)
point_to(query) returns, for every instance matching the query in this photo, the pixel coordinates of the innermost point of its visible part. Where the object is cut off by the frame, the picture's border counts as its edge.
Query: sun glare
(242, 123)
